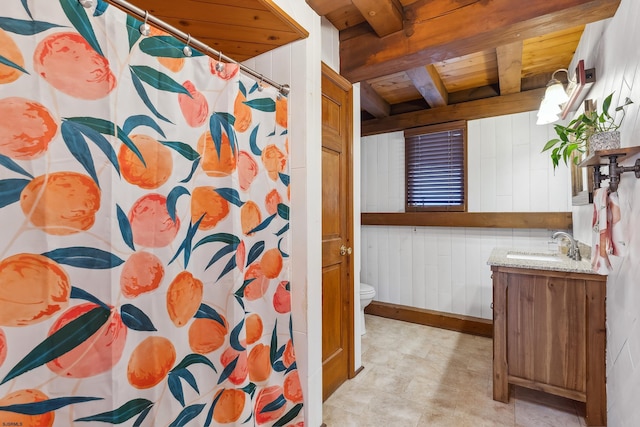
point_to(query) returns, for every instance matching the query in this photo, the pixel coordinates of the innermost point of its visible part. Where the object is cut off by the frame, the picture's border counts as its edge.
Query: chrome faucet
(574, 250)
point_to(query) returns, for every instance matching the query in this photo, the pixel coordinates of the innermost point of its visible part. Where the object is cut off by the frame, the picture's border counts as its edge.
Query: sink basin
(534, 257)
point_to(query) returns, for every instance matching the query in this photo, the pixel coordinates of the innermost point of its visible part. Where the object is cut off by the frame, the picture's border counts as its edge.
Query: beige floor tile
(418, 376)
(390, 409)
(337, 417)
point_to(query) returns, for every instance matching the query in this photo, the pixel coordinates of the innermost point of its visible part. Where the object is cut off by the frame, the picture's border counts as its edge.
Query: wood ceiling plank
(428, 82)
(373, 103)
(241, 30)
(482, 79)
(483, 108)
(236, 50)
(287, 20)
(509, 67)
(231, 33)
(467, 71)
(464, 70)
(547, 54)
(383, 15)
(193, 10)
(479, 25)
(395, 88)
(473, 94)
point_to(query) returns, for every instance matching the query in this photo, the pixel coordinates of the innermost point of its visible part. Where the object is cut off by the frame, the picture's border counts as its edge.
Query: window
(436, 167)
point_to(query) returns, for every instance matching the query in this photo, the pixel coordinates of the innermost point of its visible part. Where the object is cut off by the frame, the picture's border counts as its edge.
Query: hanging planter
(604, 141)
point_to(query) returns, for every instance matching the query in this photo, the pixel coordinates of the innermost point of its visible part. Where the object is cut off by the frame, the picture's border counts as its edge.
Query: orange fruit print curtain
(144, 206)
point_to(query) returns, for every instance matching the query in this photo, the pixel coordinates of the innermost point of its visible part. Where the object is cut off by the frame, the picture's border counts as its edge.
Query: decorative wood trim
(336, 78)
(546, 220)
(454, 322)
(478, 109)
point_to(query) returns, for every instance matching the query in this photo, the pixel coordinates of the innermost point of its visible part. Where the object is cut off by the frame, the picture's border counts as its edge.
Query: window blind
(435, 175)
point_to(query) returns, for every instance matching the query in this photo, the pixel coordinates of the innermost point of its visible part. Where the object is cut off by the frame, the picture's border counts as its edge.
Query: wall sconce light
(558, 101)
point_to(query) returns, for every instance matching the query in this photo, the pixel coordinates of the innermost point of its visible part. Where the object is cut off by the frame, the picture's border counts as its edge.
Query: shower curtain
(144, 214)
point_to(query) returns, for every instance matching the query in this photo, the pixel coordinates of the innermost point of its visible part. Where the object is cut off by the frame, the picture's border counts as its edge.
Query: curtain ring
(219, 64)
(145, 29)
(86, 3)
(187, 50)
(260, 87)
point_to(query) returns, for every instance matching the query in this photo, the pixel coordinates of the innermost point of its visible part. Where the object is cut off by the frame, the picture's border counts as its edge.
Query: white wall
(614, 51)
(298, 64)
(304, 76)
(442, 268)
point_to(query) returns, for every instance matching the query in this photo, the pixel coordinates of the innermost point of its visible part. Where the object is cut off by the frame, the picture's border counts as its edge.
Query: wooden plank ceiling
(240, 29)
(422, 58)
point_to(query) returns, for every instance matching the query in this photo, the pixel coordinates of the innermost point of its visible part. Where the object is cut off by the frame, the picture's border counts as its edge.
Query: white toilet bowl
(367, 294)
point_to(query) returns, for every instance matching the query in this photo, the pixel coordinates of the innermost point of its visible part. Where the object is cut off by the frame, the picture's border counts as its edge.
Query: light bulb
(555, 93)
(548, 112)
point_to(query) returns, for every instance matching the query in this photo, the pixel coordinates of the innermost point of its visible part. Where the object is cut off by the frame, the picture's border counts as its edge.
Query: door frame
(346, 86)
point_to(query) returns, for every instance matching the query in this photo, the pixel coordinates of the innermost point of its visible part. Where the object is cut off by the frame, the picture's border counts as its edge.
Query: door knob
(345, 250)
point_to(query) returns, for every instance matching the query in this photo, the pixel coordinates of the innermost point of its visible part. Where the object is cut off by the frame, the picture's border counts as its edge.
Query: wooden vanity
(549, 335)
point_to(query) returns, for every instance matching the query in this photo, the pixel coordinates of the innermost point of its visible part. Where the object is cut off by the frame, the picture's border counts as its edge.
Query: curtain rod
(189, 40)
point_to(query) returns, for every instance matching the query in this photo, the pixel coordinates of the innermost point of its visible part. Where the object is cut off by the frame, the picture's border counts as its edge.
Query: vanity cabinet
(549, 335)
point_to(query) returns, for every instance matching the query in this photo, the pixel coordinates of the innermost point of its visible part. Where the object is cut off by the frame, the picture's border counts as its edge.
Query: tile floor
(418, 376)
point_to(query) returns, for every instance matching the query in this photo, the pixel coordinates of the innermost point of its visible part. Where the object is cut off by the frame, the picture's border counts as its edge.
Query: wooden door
(337, 232)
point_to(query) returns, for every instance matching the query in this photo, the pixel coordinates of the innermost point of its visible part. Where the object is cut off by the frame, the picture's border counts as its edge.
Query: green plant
(574, 136)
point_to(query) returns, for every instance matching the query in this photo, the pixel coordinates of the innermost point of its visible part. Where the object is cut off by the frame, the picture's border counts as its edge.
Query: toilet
(367, 294)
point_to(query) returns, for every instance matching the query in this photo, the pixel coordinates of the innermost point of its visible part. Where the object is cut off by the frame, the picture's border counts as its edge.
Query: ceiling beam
(383, 15)
(510, 67)
(430, 85)
(443, 29)
(323, 7)
(372, 102)
(479, 109)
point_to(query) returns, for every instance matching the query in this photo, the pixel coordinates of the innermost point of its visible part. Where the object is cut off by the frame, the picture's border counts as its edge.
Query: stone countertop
(499, 257)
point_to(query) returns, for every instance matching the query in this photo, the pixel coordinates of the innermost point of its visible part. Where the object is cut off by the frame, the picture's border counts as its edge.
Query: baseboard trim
(455, 322)
(355, 374)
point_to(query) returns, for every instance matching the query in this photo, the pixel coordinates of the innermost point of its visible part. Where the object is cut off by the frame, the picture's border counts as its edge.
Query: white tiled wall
(298, 64)
(614, 51)
(445, 269)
